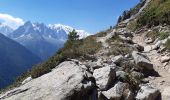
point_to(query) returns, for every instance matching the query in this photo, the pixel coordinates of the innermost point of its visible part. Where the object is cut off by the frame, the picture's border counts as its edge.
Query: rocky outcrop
(118, 92)
(66, 82)
(142, 61)
(104, 77)
(148, 93)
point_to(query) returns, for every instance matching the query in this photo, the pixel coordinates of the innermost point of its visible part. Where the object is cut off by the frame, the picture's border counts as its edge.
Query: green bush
(167, 44)
(158, 12)
(163, 35)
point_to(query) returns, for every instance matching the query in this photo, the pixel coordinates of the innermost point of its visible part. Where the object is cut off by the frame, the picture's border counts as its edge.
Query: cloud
(11, 21)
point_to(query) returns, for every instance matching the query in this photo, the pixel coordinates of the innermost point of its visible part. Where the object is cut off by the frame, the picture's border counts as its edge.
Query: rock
(118, 59)
(157, 45)
(121, 75)
(27, 80)
(119, 92)
(149, 40)
(139, 47)
(147, 48)
(165, 59)
(104, 77)
(142, 61)
(126, 39)
(166, 93)
(147, 93)
(67, 81)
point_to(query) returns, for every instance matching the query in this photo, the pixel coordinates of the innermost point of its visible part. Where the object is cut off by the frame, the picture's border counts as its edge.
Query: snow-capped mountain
(4, 29)
(43, 40)
(67, 29)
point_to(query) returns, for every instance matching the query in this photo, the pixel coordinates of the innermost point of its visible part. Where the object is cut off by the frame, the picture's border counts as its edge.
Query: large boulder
(120, 91)
(142, 61)
(104, 77)
(65, 82)
(148, 93)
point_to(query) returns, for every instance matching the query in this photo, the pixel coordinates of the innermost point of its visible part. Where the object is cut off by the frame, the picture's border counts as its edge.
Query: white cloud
(11, 21)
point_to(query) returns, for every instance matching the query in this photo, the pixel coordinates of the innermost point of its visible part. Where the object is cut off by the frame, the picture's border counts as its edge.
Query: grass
(155, 34)
(158, 12)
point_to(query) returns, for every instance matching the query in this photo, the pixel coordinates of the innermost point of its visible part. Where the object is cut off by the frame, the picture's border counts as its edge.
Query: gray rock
(27, 80)
(157, 45)
(142, 61)
(147, 48)
(149, 40)
(121, 75)
(166, 93)
(165, 59)
(118, 59)
(120, 90)
(64, 82)
(104, 77)
(147, 93)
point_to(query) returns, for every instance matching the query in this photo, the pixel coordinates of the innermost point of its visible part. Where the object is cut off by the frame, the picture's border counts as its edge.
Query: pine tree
(73, 36)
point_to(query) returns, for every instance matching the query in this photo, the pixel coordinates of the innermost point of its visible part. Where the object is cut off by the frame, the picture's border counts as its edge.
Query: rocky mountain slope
(130, 62)
(14, 60)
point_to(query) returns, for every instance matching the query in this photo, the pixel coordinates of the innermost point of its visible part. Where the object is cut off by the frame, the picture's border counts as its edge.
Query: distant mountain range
(43, 40)
(5, 29)
(14, 60)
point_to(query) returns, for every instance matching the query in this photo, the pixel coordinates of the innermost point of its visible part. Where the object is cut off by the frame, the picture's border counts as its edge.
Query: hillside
(14, 60)
(127, 62)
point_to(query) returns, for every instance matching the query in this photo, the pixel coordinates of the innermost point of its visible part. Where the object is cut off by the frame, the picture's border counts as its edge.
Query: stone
(27, 80)
(119, 91)
(142, 60)
(104, 77)
(66, 81)
(149, 40)
(147, 93)
(166, 93)
(118, 59)
(121, 75)
(165, 59)
(157, 45)
(147, 48)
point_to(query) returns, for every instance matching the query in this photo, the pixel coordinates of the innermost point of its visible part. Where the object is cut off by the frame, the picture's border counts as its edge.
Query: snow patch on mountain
(4, 29)
(82, 34)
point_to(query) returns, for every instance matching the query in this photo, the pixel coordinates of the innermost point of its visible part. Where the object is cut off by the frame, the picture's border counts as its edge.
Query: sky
(89, 15)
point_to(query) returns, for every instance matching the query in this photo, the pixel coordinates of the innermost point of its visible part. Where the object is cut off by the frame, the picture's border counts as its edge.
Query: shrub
(167, 44)
(120, 48)
(158, 12)
(153, 35)
(163, 35)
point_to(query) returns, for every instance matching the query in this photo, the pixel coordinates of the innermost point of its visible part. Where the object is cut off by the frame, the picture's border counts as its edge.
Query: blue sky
(90, 15)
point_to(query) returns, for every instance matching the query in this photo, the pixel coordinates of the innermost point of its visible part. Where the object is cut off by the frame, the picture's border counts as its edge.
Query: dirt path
(163, 82)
